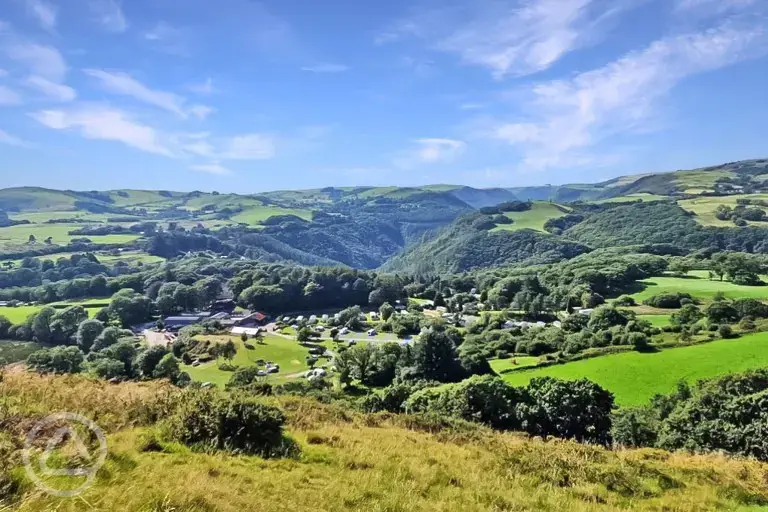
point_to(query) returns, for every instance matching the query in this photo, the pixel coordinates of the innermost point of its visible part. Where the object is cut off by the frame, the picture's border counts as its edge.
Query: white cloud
(204, 88)
(510, 37)
(213, 168)
(430, 151)
(11, 140)
(124, 84)
(44, 61)
(252, 146)
(58, 92)
(105, 123)
(9, 97)
(326, 68)
(201, 111)
(109, 14)
(569, 116)
(44, 12)
(168, 39)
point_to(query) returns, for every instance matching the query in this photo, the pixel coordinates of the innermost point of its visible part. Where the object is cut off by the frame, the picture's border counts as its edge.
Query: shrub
(668, 300)
(208, 420)
(725, 331)
(485, 399)
(625, 301)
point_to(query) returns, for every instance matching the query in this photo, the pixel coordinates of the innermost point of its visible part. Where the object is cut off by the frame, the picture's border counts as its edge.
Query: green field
(259, 214)
(535, 218)
(501, 366)
(287, 353)
(130, 257)
(15, 236)
(15, 351)
(656, 320)
(635, 377)
(698, 286)
(699, 180)
(642, 196)
(704, 208)
(18, 314)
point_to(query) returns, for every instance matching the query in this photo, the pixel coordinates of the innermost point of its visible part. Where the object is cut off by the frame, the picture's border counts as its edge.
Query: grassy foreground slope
(635, 377)
(351, 461)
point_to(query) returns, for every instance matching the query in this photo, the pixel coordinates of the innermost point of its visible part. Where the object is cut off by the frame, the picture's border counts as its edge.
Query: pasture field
(635, 377)
(259, 214)
(656, 320)
(287, 353)
(15, 351)
(501, 366)
(698, 286)
(699, 180)
(535, 218)
(130, 257)
(704, 208)
(80, 215)
(641, 196)
(15, 236)
(18, 314)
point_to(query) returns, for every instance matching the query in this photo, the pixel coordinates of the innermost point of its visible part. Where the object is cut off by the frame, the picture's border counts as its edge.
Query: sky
(247, 96)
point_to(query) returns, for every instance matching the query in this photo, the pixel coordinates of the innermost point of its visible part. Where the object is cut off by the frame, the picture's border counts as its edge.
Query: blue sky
(247, 96)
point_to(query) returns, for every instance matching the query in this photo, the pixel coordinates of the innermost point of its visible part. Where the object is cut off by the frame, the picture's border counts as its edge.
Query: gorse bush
(208, 420)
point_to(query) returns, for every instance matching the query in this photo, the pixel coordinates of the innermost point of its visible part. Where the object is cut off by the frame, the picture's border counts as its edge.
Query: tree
(57, 360)
(65, 323)
(376, 298)
(606, 317)
(123, 351)
(244, 337)
(386, 311)
(227, 350)
(579, 410)
(87, 332)
(167, 368)
(5, 325)
(486, 399)
(109, 337)
(688, 314)
(149, 359)
(107, 368)
(130, 308)
(439, 300)
(719, 312)
(434, 357)
(41, 325)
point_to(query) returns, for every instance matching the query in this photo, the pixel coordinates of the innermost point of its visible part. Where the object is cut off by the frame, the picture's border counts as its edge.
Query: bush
(625, 301)
(668, 300)
(725, 331)
(207, 420)
(485, 399)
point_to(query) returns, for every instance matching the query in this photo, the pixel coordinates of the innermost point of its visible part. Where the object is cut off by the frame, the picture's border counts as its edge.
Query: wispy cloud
(567, 117)
(430, 151)
(166, 38)
(109, 14)
(118, 82)
(106, 123)
(11, 140)
(252, 146)
(9, 97)
(44, 12)
(326, 68)
(44, 61)
(510, 38)
(213, 168)
(205, 88)
(53, 90)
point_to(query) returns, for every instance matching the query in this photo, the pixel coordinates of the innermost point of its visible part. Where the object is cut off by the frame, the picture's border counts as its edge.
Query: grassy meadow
(350, 461)
(17, 236)
(699, 286)
(704, 208)
(635, 377)
(287, 353)
(259, 214)
(642, 196)
(535, 218)
(18, 314)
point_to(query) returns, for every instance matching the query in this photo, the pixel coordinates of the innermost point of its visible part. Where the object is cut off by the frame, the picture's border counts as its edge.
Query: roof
(181, 319)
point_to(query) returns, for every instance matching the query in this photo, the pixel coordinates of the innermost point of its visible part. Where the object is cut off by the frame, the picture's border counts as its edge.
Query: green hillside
(535, 218)
(635, 377)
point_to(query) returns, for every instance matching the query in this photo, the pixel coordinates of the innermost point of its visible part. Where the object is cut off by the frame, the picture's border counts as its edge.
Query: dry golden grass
(352, 461)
